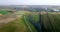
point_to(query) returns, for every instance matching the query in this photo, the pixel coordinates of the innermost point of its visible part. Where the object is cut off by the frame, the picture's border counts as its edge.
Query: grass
(7, 28)
(17, 25)
(53, 23)
(23, 24)
(4, 12)
(35, 17)
(57, 21)
(29, 24)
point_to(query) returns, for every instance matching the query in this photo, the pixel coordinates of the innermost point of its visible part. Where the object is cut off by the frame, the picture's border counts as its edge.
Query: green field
(33, 22)
(4, 12)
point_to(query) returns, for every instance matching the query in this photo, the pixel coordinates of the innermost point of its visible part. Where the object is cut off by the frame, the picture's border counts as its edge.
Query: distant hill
(35, 6)
(29, 7)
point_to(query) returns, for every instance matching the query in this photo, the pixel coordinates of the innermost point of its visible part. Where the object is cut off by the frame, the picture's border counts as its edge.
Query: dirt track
(9, 18)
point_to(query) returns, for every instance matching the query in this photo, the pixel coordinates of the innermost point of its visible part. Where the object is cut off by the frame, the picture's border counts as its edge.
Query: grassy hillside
(33, 22)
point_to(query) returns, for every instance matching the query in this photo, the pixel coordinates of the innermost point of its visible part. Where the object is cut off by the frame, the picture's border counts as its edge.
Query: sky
(29, 2)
